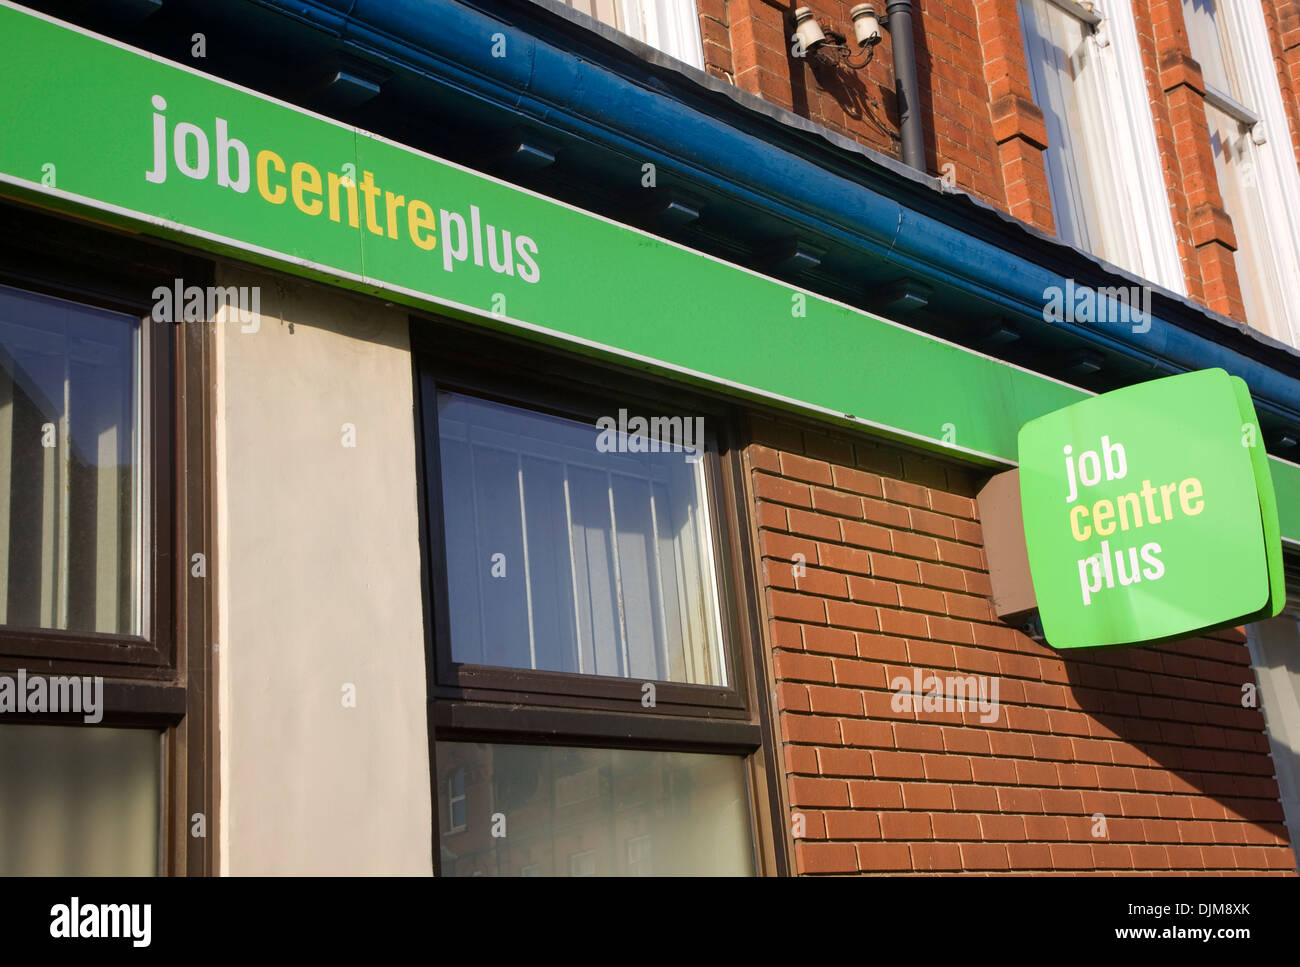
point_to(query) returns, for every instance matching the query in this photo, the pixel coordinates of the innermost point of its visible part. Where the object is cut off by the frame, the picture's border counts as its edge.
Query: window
(563, 558)
(79, 801)
(640, 856)
(672, 26)
(1103, 167)
(456, 800)
(104, 746)
(588, 669)
(71, 434)
(583, 864)
(696, 804)
(1253, 158)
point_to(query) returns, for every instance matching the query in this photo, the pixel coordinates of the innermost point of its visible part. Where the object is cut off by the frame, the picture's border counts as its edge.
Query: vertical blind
(564, 558)
(70, 459)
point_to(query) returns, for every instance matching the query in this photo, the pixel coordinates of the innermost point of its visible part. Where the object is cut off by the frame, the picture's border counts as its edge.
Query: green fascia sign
(1150, 514)
(98, 129)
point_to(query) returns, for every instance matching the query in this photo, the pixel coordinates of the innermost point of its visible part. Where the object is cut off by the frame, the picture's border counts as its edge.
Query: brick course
(1155, 740)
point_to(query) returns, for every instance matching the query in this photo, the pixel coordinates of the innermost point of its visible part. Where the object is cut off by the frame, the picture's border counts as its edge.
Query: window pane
(563, 557)
(70, 466)
(597, 812)
(79, 801)
(1207, 39)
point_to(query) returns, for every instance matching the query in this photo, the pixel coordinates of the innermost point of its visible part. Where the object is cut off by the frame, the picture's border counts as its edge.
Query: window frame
(153, 646)
(157, 680)
(474, 681)
(526, 707)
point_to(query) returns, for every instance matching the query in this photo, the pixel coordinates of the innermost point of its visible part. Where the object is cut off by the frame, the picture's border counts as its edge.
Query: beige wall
(319, 586)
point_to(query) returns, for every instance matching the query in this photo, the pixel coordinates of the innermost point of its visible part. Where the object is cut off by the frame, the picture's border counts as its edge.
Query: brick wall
(893, 578)
(981, 126)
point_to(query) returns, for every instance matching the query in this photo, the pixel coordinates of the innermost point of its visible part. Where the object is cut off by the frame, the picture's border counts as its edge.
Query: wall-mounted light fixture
(830, 47)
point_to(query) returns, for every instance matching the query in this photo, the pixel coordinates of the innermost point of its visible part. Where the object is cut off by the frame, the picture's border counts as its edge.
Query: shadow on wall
(1172, 723)
(859, 94)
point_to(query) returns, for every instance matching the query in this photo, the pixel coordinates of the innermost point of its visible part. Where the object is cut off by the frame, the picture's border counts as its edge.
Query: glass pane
(569, 553)
(70, 466)
(552, 811)
(1207, 38)
(79, 801)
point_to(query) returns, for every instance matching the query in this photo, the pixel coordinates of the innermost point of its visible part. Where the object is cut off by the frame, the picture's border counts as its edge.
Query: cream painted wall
(319, 586)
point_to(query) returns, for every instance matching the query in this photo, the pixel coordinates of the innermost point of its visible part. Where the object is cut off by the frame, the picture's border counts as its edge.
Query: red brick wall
(981, 126)
(1156, 740)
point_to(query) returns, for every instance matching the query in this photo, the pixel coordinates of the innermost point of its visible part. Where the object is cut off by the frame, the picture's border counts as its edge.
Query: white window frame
(1121, 85)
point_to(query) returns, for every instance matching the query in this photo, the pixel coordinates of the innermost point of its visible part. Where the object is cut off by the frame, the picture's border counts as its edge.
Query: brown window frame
(480, 703)
(154, 648)
(159, 679)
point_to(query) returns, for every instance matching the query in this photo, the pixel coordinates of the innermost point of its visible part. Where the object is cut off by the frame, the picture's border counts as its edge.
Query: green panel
(606, 287)
(79, 134)
(1253, 440)
(1138, 531)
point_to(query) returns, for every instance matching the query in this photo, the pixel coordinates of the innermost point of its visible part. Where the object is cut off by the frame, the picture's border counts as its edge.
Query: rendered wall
(319, 583)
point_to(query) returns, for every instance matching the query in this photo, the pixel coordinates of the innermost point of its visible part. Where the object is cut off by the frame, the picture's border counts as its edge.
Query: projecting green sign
(1149, 513)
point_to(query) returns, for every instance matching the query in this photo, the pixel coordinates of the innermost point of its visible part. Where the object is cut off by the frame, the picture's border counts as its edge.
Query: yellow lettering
(420, 216)
(306, 180)
(1190, 490)
(264, 159)
(335, 182)
(1103, 511)
(1074, 523)
(1125, 501)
